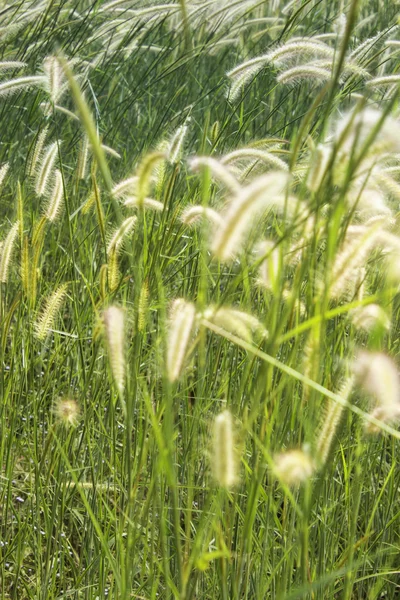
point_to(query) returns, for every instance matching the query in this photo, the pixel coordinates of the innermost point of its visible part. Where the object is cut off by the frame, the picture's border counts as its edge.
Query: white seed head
(218, 170)
(117, 239)
(3, 172)
(37, 152)
(149, 203)
(45, 168)
(265, 192)
(21, 83)
(234, 321)
(330, 422)
(54, 78)
(55, 203)
(224, 462)
(293, 467)
(354, 130)
(368, 318)
(297, 74)
(377, 374)
(6, 251)
(114, 324)
(47, 317)
(180, 328)
(124, 188)
(67, 411)
(192, 215)
(264, 156)
(175, 146)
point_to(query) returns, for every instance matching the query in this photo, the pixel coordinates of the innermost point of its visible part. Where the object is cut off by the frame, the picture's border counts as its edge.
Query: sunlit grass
(199, 250)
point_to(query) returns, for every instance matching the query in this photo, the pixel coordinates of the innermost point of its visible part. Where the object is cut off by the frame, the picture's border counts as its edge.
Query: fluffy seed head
(6, 251)
(21, 83)
(354, 129)
(296, 74)
(54, 206)
(114, 324)
(45, 168)
(263, 193)
(3, 172)
(37, 152)
(123, 230)
(180, 327)
(127, 187)
(150, 203)
(175, 146)
(264, 156)
(330, 422)
(54, 78)
(46, 319)
(218, 170)
(293, 467)
(67, 411)
(234, 321)
(359, 243)
(192, 215)
(223, 451)
(369, 318)
(377, 374)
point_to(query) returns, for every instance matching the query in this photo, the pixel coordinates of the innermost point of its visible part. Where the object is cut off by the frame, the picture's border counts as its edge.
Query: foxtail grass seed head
(55, 203)
(37, 152)
(113, 273)
(215, 131)
(21, 83)
(111, 151)
(293, 467)
(224, 461)
(3, 172)
(265, 192)
(127, 187)
(369, 318)
(192, 215)
(45, 168)
(83, 158)
(6, 252)
(351, 258)
(353, 130)
(218, 170)
(145, 173)
(297, 74)
(117, 238)
(67, 412)
(147, 203)
(55, 80)
(114, 325)
(47, 317)
(331, 421)
(268, 158)
(175, 146)
(378, 375)
(234, 321)
(180, 328)
(143, 306)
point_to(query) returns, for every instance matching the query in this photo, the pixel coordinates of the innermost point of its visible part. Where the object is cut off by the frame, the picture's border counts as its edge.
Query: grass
(115, 479)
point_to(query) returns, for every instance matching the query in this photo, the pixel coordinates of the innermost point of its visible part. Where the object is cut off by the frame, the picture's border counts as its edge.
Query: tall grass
(199, 307)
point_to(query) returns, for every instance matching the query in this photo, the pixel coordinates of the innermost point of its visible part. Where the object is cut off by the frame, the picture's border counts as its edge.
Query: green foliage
(199, 307)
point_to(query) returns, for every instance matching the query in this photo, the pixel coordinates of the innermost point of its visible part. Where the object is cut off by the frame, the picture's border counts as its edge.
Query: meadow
(199, 299)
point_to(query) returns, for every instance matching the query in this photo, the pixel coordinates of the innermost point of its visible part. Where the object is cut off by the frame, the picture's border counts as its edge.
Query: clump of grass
(240, 257)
